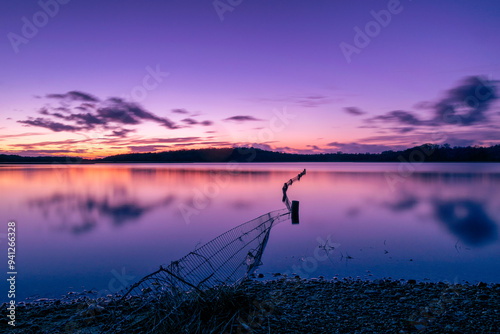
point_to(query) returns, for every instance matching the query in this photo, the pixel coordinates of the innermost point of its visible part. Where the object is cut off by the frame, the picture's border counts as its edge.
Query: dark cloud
(48, 124)
(312, 101)
(117, 116)
(131, 113)
(190, 121)
(74, 96)
(404, 130)
(206, 123)
(180, 111)
(241, 118)
(122, 133)
(398, 116)
(306, 101)
(466, 104)
(92, 113)
(354, 111)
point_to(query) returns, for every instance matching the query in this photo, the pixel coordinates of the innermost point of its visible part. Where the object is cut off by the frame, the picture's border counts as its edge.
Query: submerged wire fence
(226, 260)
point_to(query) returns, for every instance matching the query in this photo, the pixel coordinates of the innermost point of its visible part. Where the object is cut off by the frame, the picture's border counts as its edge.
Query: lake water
(105, 226)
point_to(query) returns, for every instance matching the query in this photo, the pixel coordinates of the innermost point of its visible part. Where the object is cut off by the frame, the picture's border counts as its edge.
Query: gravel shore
(294, 305)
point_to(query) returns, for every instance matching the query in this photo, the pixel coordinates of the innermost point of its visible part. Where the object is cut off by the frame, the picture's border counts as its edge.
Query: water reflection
(81, 213)
(468, 220)
(380, 229)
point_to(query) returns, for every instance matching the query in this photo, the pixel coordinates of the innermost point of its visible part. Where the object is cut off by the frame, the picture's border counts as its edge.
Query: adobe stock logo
(222, 6)
(372, 29)
(30, 28)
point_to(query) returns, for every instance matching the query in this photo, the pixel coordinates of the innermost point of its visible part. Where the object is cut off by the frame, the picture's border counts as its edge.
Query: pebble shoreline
(295, 305)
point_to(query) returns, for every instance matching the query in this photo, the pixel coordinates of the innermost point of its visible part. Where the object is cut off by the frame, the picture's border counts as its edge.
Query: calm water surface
(103, 227)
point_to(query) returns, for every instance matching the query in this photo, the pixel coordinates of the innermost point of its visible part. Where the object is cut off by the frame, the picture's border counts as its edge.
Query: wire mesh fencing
(226, 260)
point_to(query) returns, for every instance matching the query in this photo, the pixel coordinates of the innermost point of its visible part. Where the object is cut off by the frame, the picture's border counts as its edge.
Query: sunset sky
(96, 78)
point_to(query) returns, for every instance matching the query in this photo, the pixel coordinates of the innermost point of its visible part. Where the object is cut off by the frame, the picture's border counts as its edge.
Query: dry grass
(216, 310)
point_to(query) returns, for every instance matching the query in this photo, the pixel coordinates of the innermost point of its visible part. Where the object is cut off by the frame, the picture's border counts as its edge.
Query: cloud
(404, 130)
(206, 123)
(400, 117)
(180, 111)
(48, 124)
(122, 133)
(38, 153)
(74, 96)
(312, 101)
(131, 113)
(94, 114)
(354, 111)
(191, 121)
(25, 134)
(306, 101)
(466, 104)
(241, 118)
(59, 143)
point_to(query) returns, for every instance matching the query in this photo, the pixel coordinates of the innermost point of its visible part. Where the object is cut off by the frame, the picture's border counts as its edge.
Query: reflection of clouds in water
(468, 220)
(82, 212)
(406, 202)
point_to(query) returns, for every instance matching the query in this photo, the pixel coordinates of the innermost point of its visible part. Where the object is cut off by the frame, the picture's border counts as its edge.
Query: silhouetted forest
(423, 153)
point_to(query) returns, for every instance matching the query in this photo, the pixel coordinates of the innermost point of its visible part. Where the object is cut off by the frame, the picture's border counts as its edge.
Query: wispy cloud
(78, 111)
(400, 117)
(469, 103)
(242, 118)
(192, 121)
(48, 124)
(180, 111)
(306, 101)
(74, 96)
(25, 134)
(354, 111)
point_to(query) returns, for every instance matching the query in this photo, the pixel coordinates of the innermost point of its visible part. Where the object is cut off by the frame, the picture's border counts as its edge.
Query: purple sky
(104, 77)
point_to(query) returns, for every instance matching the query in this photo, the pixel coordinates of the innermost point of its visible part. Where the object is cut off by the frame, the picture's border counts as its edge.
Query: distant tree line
(423, 153)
